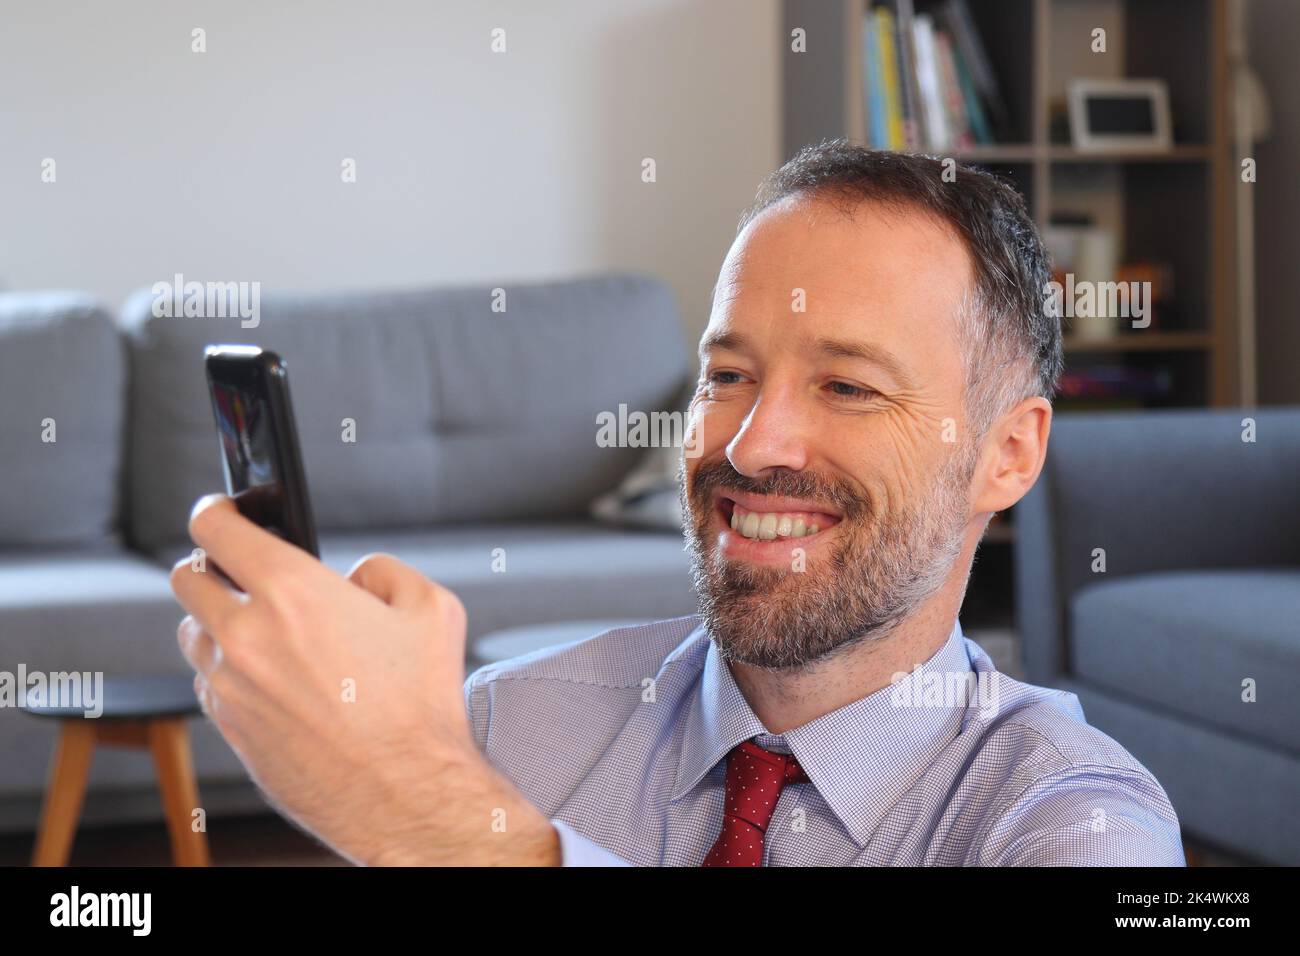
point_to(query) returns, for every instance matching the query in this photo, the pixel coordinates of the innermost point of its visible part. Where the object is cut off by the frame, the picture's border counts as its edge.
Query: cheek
(710, 430)
(891, 457)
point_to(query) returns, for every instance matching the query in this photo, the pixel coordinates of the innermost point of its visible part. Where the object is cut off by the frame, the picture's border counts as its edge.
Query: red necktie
(755, 779)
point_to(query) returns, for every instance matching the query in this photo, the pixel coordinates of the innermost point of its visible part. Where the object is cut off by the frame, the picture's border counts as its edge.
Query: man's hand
(344, 699)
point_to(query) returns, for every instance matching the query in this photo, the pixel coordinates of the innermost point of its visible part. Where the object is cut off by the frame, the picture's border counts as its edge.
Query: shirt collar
(861, 757)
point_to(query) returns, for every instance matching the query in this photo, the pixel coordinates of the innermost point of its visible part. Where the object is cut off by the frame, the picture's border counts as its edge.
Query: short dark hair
(1011, 338)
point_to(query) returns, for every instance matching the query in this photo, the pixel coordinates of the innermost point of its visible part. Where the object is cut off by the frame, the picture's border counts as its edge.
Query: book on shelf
(927, 80)
(1115, 383)
(887, 44)
(954, 106)
(927, 67)
(913, 122)
(956, 14)
(873, 84)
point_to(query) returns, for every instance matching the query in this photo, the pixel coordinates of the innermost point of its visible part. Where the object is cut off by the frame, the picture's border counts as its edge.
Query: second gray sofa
(1185, 644)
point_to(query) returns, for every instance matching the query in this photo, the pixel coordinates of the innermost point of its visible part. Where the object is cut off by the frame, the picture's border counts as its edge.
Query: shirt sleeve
(476, 710)
(1088, 816)
(577, 850)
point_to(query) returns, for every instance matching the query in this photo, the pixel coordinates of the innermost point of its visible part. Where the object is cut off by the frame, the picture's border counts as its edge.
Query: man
(875, 384)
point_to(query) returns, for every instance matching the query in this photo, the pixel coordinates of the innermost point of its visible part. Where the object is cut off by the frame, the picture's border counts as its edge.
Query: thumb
(392, 581)
(402, 587)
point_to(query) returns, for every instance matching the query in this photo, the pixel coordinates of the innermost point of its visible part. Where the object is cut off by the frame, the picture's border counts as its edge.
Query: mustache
(721, 476)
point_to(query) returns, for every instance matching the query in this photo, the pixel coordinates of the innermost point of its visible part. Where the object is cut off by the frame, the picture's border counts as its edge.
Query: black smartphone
(259, 441)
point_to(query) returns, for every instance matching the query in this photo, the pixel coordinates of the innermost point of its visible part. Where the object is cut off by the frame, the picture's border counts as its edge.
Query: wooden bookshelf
(1172, 207)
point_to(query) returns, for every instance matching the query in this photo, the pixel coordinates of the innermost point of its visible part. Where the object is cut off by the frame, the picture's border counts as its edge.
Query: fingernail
(206, 501)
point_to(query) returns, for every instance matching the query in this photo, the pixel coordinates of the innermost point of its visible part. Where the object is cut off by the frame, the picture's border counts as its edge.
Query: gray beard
(880, 571)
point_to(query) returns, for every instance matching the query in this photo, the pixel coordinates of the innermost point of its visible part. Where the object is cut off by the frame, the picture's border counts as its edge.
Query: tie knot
(755, 778)
(788, 766)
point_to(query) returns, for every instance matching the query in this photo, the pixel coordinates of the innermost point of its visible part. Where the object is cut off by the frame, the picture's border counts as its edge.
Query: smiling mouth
(774, 525)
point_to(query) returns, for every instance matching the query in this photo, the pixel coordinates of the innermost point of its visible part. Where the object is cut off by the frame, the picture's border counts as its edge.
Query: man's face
(831, 488)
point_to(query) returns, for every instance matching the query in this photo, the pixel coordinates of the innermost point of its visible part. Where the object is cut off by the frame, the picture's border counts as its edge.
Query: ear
(1012, 456)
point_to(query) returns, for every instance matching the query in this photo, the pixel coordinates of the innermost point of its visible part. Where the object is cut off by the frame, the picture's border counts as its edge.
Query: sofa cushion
(1185, 641)
(461, 413)
(113, 611)
(85, 609)
(516, 642)
(60, 359)
(549, 571)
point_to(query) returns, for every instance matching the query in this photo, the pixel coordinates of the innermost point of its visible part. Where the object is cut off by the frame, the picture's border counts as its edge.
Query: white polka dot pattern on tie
(758, 776)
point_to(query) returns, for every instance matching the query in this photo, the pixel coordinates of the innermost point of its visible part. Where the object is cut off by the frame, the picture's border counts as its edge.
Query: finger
(204, 694)
(204, 595)
(197, 646)
(394, 582)
(250, 555)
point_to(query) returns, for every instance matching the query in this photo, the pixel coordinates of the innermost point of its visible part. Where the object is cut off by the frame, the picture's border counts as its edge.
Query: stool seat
(132, 698)
(145, 713)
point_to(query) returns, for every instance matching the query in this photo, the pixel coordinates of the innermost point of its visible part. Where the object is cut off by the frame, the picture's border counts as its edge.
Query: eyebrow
(729, 341)
(832, 348)
(867, 352)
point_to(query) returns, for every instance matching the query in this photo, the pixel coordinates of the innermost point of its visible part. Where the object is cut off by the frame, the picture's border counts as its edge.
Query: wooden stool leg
(170, 743)
(64, 792)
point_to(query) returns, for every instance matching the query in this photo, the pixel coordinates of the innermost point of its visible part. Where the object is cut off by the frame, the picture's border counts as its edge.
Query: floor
(265, 841)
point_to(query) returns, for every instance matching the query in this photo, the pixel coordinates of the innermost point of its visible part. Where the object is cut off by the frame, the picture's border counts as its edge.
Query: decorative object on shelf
(1083, 257)
(1119, 115)
(1158, 279)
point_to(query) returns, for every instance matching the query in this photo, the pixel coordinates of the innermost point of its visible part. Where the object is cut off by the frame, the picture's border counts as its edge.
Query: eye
(724, 377)
(845, 390)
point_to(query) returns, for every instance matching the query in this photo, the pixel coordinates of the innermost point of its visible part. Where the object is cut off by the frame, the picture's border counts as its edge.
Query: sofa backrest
(62, 375)
(1174, 490)
(461, 413)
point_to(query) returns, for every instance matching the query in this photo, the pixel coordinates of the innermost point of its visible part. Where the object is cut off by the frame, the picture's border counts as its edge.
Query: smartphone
(259, 442)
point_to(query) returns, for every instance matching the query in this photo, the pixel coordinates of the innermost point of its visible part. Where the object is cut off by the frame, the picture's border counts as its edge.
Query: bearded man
(875, 384)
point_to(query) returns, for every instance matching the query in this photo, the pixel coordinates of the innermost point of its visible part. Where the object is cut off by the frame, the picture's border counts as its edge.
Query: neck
(785, 699)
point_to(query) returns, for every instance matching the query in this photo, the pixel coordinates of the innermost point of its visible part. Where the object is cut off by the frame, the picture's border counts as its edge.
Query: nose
(772, 436)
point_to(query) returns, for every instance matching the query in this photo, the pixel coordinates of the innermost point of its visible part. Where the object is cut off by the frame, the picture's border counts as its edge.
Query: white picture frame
(1159, 138)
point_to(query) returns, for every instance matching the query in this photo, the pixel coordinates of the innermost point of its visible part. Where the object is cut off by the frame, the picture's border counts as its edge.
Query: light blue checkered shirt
(621, 740)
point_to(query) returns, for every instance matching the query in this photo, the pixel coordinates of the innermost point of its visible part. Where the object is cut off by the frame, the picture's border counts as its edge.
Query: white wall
(473, 167)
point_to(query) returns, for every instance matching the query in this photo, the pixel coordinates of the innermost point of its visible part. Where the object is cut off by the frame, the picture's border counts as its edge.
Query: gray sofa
(475, 431)
(1201, 592)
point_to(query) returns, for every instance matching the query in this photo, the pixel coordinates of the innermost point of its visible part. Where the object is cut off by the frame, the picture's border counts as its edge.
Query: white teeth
(767, 527)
